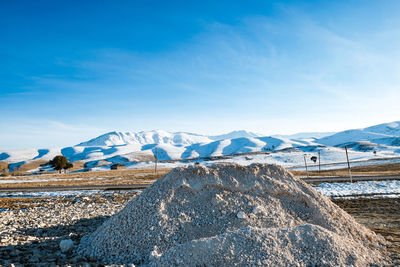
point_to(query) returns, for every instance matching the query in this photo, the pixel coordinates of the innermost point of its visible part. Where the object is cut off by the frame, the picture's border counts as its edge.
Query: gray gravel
(32, 236)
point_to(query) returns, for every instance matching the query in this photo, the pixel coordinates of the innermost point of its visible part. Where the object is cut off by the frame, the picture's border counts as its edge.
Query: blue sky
(72, 70)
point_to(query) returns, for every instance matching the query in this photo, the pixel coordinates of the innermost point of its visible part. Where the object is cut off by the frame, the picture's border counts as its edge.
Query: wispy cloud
(261, 72)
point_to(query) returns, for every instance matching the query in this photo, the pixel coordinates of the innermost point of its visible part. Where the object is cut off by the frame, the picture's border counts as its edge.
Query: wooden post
(348, 164)
(305, 164)
(155, 166)
(319, 161)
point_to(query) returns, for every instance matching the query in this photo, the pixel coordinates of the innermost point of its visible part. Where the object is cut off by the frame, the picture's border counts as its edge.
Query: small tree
(59, 163)
(69, 165)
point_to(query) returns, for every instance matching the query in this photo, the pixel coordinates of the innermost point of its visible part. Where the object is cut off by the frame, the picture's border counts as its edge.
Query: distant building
(117, 166)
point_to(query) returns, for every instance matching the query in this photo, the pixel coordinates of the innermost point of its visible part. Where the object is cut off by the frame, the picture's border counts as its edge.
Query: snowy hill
(350, 136)
(121, 147)
(381, 131)
(129, 147)
(305, 135)
(392, 128)
(234, 134)
(145, 138)
(161, 137)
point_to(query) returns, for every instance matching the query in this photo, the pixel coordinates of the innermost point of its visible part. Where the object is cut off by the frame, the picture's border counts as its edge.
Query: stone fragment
(66, 245)
(241, 215)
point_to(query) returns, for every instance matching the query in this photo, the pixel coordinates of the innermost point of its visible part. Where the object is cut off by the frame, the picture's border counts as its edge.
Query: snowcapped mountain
(161, 137)
(234, 134)
(128, 147)
(381, 131)
(392, 128)
(350, 136)
(305, 135)
(145, 138)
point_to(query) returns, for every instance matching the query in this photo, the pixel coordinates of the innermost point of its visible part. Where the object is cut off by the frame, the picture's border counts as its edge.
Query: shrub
(60, 163)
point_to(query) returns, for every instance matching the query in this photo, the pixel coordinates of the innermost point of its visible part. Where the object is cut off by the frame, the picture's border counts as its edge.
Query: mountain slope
(350, 136)
(233, 135)
(146, 138)
(305, 135)
(380, 131)
(392, 128)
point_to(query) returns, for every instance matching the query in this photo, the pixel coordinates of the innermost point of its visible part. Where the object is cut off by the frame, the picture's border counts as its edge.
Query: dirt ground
(380, 215)
(381, 169)
(114, 177)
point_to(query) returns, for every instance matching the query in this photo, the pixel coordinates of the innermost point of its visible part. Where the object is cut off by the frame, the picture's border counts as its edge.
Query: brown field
(380, 215)
(382, 169)
(3, 166)
(29, 166)
(34, 164)
(114, 177)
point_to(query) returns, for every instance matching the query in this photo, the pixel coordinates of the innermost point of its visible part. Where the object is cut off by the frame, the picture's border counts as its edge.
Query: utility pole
(155, 166)
(348, 165)
(319, 161)
(305, 164)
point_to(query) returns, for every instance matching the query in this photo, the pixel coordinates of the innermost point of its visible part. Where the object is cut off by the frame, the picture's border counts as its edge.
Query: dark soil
(380, 215)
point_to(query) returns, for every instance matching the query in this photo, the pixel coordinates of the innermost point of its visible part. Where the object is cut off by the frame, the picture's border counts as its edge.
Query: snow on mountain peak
(234, 134)
(385, 130)
(393, 125)
(392, 128)
(146, 138)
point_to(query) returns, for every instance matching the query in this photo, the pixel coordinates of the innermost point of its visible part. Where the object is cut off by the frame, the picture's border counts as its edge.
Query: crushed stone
(229, 214)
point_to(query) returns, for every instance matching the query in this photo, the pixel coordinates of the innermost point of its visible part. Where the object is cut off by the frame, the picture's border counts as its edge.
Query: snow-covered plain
(138, 150)
(383, 188)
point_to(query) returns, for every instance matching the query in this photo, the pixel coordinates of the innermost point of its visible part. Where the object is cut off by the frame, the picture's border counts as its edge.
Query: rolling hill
(130, 147)
(381, 131)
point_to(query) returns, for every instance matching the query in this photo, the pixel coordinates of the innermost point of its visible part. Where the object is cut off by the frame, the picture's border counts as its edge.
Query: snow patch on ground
(359, 188)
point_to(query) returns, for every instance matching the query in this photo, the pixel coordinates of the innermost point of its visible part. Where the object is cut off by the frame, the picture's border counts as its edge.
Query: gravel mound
(232, 215)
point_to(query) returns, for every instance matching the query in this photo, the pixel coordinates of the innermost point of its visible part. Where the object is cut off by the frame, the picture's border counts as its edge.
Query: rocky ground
(32, 229)
(31, 236)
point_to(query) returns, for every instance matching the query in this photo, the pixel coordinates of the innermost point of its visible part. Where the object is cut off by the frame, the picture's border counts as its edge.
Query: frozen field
(381, 188)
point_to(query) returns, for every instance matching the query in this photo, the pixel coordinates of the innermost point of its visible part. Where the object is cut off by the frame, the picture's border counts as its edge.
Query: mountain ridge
(161, 136)
(383, 130)
(113, 147)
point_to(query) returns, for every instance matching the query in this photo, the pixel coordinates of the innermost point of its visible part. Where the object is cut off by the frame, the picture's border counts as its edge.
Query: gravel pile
(232, 215)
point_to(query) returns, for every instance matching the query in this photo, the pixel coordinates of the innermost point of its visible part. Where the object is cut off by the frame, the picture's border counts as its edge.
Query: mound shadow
(47, 251)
